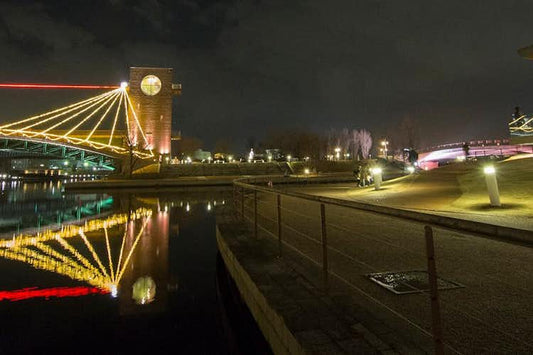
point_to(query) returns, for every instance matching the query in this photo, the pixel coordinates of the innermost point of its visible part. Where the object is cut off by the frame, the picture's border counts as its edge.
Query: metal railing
(473, 304)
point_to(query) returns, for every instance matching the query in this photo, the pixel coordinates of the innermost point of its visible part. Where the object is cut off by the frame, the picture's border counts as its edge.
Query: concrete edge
(271, 324)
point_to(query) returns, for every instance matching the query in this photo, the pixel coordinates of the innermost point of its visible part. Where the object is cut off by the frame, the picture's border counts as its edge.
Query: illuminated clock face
(151, 85)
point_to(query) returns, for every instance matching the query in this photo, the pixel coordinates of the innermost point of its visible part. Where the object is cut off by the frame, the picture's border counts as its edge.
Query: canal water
(117, 272)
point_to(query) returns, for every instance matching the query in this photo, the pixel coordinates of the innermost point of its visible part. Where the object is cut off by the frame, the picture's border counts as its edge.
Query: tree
(187, 145)
(356, 144)
(222, 145)
(133, 159)
(365, 141)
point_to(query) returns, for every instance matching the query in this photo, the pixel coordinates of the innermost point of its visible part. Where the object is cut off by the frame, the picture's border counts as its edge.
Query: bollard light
(492, 185)
(376, 172)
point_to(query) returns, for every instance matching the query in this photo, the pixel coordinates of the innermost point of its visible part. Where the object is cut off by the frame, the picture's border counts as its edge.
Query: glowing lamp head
(411, 169)
(489, 170)
(376, 171)
(306, 171)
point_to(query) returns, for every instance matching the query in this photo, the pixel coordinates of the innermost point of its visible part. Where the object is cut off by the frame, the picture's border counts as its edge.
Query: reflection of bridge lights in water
(60, 292)
(52, 251)
(143, 290)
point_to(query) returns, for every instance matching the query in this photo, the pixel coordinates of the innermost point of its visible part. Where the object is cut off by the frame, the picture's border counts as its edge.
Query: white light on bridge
(123, 84)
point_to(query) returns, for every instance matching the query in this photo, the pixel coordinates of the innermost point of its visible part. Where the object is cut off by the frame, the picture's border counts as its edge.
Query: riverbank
(196, 181)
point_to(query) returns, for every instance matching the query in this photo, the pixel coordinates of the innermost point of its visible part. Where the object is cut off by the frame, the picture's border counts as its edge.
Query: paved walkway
(490, 312)
(457, 191)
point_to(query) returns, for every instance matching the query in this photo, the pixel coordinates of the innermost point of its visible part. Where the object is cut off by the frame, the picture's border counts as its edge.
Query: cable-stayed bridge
(125, 122)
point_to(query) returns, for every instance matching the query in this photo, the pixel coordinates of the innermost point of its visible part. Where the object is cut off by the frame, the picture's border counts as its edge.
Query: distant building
(201, 155)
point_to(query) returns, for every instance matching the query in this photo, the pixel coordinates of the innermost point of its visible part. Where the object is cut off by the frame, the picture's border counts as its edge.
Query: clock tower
(151, 91)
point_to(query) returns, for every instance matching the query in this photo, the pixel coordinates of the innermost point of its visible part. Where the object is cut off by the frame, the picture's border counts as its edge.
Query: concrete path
(457, 191)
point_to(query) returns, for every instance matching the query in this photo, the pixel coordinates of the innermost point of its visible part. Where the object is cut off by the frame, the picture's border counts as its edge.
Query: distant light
(489, 170)
(376, 171)
(85, 164)
(306, 171)
(123, 84)
(65, 163)
(289, 157)
(411, 169)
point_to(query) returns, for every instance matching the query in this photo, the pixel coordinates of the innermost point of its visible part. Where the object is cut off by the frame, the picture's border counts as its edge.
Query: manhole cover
(401, 282)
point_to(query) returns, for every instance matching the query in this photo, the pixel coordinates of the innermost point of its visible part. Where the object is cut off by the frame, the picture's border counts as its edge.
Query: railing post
(324, 245)
(434, 293)
(234, 199)
(279, 224)
(242, 203)
(255, 213)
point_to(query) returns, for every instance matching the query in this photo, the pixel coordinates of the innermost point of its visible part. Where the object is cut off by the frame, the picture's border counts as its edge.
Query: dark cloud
(250, 66)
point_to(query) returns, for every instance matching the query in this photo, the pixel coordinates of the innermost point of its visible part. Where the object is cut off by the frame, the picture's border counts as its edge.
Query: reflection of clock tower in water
(151, 91)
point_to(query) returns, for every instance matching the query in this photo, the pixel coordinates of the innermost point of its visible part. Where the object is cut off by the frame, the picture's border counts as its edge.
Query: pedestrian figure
(362, 176)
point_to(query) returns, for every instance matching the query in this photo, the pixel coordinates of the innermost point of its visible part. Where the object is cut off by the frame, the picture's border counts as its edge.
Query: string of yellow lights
(133, 247)
(105, 102)
(102, 117)
(137, 120)
(32, 250)
(116, 119)
(47, 250)
(40, 122)
(67, 109)
(110, 259)
(47, 125)
(93, 253)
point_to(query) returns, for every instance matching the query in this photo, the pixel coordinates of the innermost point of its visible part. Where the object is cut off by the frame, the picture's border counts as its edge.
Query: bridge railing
(471, 143)
(479, 303)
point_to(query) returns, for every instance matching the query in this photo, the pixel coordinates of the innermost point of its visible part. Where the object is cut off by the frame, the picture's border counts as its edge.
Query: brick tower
(151, 91)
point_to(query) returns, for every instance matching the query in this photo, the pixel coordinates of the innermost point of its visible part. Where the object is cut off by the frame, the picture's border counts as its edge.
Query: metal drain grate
(402, 282)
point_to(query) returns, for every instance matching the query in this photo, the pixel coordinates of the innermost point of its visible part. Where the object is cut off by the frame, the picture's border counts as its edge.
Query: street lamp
(492, 185)
(338, 153)
(376, 172)
(385, 144)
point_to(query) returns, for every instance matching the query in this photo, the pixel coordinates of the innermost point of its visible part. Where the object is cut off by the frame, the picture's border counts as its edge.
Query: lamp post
(338, 153)
(492, 185)
(376, 172)
(385, 144)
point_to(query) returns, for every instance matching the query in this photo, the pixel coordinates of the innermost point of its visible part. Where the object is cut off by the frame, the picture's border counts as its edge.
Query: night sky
(248, 67)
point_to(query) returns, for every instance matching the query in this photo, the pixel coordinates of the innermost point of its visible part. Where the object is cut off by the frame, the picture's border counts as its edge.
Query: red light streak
(56, 86)
(34, 292)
